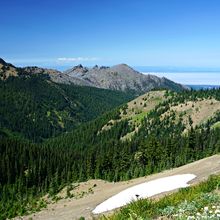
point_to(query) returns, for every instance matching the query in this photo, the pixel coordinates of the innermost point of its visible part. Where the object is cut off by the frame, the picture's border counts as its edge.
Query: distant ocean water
(199, 87)
(191, 78)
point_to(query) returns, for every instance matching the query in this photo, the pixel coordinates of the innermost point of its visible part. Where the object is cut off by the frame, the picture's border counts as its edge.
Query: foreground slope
(74, 208)
(200, 201)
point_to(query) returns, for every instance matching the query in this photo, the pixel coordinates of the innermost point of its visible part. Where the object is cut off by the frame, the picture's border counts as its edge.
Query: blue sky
(55, 33)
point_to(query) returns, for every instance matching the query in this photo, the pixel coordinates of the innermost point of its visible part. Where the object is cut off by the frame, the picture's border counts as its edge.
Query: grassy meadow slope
(191, 112)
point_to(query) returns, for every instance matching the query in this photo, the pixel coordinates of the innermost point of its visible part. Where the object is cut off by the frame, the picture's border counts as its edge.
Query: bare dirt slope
(67, 209)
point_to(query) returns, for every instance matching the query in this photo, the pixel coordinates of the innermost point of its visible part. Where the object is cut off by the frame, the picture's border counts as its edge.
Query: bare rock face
(121, 77)
(57, 76)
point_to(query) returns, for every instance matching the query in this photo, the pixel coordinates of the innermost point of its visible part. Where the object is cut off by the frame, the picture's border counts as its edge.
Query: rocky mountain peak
(96, 67)
(121, 77)
(104, 67)
(122, 66)
(77, 69)
(80, 66)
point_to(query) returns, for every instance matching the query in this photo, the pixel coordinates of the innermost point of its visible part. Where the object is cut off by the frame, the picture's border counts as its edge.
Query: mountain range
(38, 103)
(119, 77)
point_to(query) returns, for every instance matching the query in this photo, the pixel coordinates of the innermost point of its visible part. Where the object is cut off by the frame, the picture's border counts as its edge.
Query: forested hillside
(36, 108)
(166, 137)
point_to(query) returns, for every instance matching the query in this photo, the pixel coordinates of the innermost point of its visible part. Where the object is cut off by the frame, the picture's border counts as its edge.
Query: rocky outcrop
(121, 77)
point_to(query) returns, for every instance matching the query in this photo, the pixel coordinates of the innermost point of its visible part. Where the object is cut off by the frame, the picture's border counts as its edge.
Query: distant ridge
(120, 77)
(7, 70)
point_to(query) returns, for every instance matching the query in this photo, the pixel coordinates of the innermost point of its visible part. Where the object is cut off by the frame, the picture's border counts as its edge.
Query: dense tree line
(30, 170)
(35, 108)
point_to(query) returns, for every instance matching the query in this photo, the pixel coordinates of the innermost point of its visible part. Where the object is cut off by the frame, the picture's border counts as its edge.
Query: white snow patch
(144, 190)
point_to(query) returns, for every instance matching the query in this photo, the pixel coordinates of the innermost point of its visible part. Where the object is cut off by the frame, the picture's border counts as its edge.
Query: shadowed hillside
(36, 108)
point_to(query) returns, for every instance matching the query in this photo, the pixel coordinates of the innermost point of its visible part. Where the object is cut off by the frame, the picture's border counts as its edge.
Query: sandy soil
(68, 209)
